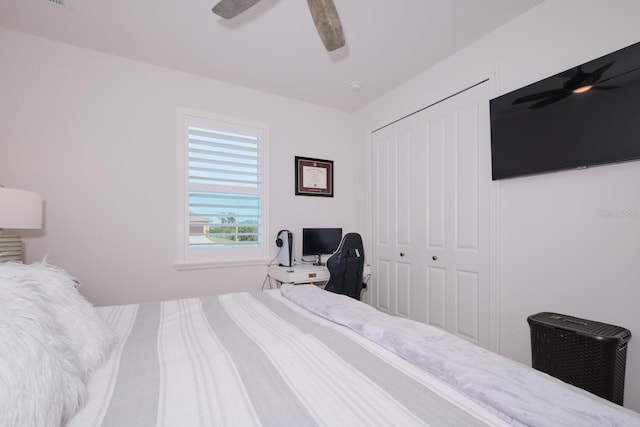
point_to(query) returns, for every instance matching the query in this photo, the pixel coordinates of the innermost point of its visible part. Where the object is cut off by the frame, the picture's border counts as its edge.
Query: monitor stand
(319, 260)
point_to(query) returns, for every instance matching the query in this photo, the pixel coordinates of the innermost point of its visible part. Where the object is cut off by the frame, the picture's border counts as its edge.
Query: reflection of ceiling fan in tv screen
(578, 82)
(581, 117)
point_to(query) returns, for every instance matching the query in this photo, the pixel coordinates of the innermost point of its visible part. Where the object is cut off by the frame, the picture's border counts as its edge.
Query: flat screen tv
(585, 116)
(320, 241)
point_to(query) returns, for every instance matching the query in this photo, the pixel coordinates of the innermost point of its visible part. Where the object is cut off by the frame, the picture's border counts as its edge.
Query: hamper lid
(574, 324)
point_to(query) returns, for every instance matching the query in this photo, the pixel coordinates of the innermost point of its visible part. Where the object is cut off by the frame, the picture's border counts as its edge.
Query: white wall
(96, 136)
(558, 249)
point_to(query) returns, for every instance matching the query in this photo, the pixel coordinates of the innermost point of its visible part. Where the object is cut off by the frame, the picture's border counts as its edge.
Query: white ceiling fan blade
(325, 17)
(228, 9)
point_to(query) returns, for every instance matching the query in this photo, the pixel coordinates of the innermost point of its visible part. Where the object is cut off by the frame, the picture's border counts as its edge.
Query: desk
(302, 273)
(306, 273)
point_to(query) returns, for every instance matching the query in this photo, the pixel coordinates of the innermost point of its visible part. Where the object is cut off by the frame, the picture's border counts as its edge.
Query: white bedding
(250, 359)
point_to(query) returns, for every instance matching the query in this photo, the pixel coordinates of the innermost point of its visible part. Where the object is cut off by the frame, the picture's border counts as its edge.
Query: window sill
(199, 265)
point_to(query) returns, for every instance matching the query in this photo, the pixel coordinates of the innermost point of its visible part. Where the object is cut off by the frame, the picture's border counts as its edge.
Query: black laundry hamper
(588, 354)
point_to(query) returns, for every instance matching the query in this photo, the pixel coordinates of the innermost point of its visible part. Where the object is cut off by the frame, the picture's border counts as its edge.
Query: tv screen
(320, 241)
(588, 115)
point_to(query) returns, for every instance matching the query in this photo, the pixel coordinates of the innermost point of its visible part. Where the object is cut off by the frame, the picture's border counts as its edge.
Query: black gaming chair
(345, 267)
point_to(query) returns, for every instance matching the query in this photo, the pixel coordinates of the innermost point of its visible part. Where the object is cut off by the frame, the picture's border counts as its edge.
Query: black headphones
(279, 241)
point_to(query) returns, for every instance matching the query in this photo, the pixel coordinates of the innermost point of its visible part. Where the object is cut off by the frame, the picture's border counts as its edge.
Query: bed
(294, 356)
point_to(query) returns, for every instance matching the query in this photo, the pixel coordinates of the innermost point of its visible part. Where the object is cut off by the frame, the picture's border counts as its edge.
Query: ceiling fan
(324, 14)
(579, 82)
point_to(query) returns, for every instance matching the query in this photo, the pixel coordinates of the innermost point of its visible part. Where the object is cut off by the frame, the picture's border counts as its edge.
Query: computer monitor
(320, 241)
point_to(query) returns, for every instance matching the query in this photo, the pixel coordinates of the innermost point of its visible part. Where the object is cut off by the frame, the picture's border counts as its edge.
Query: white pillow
(40, 382)
(85, 332)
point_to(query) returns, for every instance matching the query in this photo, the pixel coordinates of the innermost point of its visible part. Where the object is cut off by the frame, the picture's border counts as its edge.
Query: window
(223, 201)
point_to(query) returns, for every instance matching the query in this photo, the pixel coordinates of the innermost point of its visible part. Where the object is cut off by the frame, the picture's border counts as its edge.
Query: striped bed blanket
(296, 356)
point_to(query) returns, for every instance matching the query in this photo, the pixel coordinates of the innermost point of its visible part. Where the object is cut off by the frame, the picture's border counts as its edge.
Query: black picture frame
(314, 177)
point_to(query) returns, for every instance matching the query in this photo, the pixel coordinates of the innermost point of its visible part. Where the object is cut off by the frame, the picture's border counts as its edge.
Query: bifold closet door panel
(431, 216)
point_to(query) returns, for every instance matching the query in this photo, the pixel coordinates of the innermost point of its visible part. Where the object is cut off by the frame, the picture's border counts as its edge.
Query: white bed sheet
(251, 359)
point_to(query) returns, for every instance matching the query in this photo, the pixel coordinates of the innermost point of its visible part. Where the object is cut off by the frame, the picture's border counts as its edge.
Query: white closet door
(431, 222)
(398, 286)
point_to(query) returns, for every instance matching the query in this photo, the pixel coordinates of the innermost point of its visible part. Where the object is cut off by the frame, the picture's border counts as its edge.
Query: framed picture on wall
(314, 177)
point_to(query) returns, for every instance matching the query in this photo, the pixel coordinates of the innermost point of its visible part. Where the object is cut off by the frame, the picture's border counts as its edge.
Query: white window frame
(189, 258)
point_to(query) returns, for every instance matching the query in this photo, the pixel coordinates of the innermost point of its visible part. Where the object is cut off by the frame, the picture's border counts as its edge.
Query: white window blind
(224, 189)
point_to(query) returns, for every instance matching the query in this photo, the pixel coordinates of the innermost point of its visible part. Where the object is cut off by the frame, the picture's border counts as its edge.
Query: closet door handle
(401, 253)
(435, 258)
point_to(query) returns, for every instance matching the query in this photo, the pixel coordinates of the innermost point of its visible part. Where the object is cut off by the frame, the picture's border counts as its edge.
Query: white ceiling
(274, 46)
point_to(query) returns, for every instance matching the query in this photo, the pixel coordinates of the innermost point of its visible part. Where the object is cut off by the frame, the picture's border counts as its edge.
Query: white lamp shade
(20, 209)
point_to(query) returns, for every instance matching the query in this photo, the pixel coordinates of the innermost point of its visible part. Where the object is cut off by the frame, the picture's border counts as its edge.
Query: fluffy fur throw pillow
(85, 332)
(40, 382)
(51, 339)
